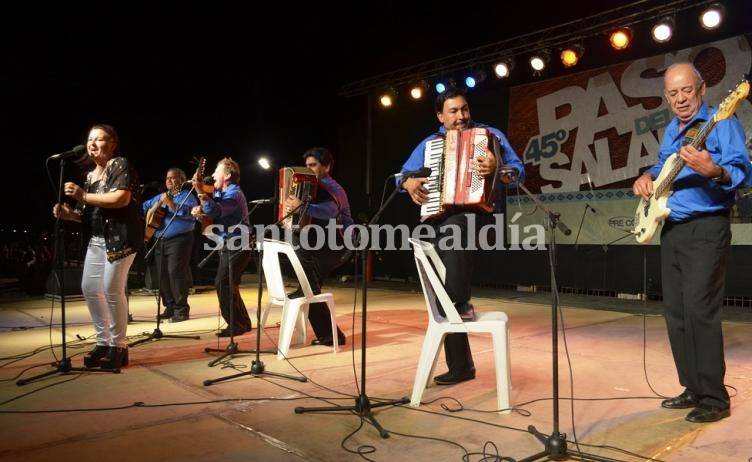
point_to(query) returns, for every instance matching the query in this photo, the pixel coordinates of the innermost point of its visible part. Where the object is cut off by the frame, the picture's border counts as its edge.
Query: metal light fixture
(503, 68)
(388, 97)
(539, 60)
(663, 30)
(418, 89)
(621, 38)
(571, 55)
(712, 16)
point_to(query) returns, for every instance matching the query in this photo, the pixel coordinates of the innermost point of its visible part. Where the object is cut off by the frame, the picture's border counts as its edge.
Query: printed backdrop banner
(585, 138)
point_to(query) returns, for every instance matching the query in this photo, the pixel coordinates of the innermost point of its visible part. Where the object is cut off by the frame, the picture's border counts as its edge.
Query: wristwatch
(719, 178)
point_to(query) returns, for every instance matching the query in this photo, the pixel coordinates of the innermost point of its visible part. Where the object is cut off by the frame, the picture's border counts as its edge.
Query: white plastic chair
(294, 311)
(432, 274)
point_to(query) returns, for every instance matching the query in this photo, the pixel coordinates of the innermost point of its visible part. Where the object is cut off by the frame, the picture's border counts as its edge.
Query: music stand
(555, 444)
(362, 406)
(62, 366)
(157, 333)
(257, 366)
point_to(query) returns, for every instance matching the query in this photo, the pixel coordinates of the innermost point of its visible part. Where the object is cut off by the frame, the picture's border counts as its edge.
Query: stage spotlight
(264, 163)
(503, 68)
(570, 56)
(442, 85)
(621, 38)
(712, 16)
(474, 78)
(539, 60)
(418, 89)
(663, 30)
(388, 97)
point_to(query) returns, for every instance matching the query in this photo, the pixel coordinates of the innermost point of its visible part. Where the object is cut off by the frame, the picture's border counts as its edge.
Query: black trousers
(459, 276)
(228, 290)
(318, 264)
(693, 272)
(173, 257)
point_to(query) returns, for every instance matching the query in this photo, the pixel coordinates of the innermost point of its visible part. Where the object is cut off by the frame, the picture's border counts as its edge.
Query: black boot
(116, 358)
(91, 359)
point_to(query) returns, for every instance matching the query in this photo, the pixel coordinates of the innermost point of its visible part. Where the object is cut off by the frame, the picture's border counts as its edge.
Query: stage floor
(614, 367)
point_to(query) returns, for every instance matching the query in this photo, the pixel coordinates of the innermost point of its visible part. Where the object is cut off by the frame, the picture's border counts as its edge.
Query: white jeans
(103, 285)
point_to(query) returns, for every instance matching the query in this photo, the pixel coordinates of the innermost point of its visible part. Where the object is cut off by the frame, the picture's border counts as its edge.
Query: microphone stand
(555, 444)
(362, 405)
(62, 366)
(582, 220)
(157, 333)
(257, 366)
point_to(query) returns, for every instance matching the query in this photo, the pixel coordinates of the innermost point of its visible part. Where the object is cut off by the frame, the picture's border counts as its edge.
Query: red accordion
(453, 182)
(302, 183)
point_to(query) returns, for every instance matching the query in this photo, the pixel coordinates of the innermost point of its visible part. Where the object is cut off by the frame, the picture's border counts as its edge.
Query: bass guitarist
(696, 239)
(169, 217)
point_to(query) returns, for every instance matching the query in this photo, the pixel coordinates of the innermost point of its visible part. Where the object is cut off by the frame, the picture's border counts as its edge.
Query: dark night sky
(179, 79)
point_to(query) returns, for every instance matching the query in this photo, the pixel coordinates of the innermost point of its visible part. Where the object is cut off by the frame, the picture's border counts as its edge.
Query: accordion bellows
(453, 182)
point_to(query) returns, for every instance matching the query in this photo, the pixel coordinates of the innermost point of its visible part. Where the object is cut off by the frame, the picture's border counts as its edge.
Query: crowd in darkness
(26, 262)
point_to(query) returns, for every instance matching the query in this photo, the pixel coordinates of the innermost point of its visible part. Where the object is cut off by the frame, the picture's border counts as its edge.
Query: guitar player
(169, 219)
(696, 239)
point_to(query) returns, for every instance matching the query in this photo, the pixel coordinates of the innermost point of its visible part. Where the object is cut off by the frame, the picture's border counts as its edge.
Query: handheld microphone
(79, 153)
(262, 201)
(591, 207)
(420, 173)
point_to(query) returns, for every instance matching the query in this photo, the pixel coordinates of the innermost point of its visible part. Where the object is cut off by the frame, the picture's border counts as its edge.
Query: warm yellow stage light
(388, 98)
(621, 38)
(418, 89)
(571, 56)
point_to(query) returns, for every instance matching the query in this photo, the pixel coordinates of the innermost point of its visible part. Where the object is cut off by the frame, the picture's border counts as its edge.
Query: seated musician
(453, 112)
(330, 203)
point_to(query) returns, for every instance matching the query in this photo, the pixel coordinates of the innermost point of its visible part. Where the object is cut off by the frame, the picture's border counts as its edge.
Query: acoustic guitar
(651, 212)
(154, 218)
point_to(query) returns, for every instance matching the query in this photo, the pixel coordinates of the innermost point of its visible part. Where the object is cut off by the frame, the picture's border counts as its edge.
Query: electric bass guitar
(651, 212)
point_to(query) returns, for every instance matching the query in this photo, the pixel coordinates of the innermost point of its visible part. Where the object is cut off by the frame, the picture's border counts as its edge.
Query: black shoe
(296, 294)
(180, 317)
(168, 314)
(329, 340)
(91, 359)
(227, 332)
(115, 358)
(684, 401)
(466, 311)
(705, 413)
(450, 378)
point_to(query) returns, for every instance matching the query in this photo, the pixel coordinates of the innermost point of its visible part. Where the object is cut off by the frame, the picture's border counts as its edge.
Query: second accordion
(299, 182)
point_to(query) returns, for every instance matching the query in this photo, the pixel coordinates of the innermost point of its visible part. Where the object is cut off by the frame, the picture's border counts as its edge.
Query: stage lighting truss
(539, 60)
(503, 68)
(388, 97)
(418, 89)
(663, 30)
(621, 38)
(712, 16)
(571, 55)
